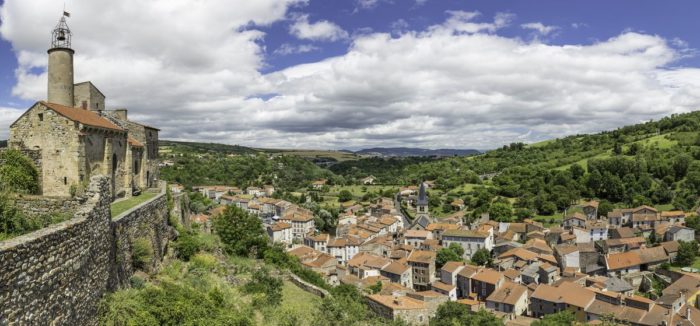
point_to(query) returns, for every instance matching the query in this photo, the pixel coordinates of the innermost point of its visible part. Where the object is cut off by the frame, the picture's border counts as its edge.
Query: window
(41, 117)
(65, 180)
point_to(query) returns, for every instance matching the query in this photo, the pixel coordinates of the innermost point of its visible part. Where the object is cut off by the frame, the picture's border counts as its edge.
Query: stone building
(76, 137)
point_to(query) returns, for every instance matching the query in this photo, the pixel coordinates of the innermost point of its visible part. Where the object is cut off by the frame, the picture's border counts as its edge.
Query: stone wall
(58, 275)
(146, 221)
(181, 211)
(308, 287)
(38, 205)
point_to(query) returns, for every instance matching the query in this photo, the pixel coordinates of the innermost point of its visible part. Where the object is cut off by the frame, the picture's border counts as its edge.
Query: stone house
(620, 264)
(510, 298)
(449, 290)
(679, 233)
(464, 282)
(574, 220)
(423, 269)
(590, 209)
(343, 248)
(673, 217)
(393, 307)
(398, 273)
(548, 299)
(485, 282)
(302, 221)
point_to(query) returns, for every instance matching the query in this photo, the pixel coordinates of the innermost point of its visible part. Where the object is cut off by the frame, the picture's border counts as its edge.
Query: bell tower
(60, 70)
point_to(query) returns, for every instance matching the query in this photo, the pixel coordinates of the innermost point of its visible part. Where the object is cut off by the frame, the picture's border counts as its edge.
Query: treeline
(284, 172)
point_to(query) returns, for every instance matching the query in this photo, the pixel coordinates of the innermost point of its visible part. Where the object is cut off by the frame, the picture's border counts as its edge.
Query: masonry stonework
(57, 275)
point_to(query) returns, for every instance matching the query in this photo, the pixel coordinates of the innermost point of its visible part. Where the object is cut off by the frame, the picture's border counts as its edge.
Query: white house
(470, 240)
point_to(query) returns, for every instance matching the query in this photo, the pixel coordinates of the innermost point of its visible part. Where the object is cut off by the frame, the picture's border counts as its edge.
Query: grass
(584, 162)
(359, 191)
(300, 303)
(660, 141)
(126, 204)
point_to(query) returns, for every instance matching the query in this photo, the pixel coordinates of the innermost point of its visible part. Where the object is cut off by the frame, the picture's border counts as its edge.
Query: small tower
(422, 202)
(60, 70)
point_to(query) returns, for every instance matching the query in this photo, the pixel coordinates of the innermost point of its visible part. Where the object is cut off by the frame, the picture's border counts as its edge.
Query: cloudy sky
(363, 73)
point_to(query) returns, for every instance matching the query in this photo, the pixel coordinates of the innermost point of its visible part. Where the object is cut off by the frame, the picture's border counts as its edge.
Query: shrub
(17, 173)
(141, 253)
(187, 245)
(203, 261)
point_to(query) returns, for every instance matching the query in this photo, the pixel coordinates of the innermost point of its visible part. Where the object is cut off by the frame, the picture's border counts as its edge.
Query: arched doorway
(114, 176)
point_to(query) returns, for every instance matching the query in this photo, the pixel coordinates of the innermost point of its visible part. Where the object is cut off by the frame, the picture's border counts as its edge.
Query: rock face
(57, 275)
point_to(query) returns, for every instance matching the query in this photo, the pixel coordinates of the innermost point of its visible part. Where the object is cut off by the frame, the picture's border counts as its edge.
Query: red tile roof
(85, 117)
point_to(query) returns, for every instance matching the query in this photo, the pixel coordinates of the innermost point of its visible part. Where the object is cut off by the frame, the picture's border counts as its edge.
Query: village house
(590, 209)
(280, 232)
(318, 242)
(423, 269)
(485, 282)
(405, 308)
(679, 233)
(344, 248)
(398, 273)
(469, 240)
(510, 298)
(416, 238)
(302, 221)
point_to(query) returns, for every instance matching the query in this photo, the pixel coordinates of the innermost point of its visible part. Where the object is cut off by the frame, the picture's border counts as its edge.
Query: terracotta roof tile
(85, 117)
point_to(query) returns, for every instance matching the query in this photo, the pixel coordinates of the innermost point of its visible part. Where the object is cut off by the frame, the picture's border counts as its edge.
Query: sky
(351, 74)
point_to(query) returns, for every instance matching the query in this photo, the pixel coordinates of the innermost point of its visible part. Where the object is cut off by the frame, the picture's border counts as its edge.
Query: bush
(17, 173)
(137, 282)
(187, 245)
(266, 284)
(141, 253)
(203, 261)
(242, 234)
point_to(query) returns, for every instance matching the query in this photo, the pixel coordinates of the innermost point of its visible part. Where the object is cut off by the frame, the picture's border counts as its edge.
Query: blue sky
(365, 73)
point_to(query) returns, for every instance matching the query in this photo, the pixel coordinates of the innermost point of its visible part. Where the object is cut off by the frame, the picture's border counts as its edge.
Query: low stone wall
(146, 221)
(58, 274)
(308, 287)
(38, 205)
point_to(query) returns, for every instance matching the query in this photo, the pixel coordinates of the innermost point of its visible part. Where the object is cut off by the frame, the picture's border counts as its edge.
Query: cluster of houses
(595, 266)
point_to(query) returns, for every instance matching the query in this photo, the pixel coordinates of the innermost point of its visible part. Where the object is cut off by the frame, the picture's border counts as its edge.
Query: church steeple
(60, 71)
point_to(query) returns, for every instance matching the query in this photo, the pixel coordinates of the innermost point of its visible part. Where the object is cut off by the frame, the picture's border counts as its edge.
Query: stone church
(75, 136)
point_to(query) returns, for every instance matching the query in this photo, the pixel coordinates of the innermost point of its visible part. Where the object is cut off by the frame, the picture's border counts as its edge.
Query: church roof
(134, 143)
(422, 196)
(85, 117)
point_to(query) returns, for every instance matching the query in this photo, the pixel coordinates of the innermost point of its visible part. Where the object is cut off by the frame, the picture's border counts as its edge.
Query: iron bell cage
(61, 35)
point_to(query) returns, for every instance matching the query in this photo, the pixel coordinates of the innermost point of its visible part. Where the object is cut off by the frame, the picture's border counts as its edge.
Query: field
(315, 154)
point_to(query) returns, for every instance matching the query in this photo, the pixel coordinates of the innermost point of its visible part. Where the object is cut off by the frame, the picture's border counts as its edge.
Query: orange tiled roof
(134, 142)
(85, 117)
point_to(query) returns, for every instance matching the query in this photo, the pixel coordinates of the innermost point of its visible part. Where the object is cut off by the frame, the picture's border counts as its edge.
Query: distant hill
(409, 151)
(180, 146)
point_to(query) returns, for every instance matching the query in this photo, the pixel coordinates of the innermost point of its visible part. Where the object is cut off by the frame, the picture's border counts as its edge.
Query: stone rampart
(147, 221)
(59, 274)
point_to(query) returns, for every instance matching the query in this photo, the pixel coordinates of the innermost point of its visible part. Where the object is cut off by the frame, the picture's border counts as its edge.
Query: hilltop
(410, 151)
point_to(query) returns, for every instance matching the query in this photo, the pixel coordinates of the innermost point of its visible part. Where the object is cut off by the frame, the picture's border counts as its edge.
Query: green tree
(187, 245)
(455, 314)
(452, 253)
(264, 283)
(481, 257)
(565, 317)
(241, 233)
(501, 212)
(687, 251)
(344, 195)
(17, 173)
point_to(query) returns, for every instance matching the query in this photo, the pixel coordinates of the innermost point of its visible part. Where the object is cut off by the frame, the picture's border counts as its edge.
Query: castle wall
(148, 221)
(39, 205)
(58, 275)
(44, 130)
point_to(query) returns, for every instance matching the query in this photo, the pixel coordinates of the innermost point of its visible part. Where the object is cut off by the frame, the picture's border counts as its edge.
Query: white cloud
(322, 30)
(540, 28)
(8, 116)
(455, 84)
(463, 22)
(286, 49)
